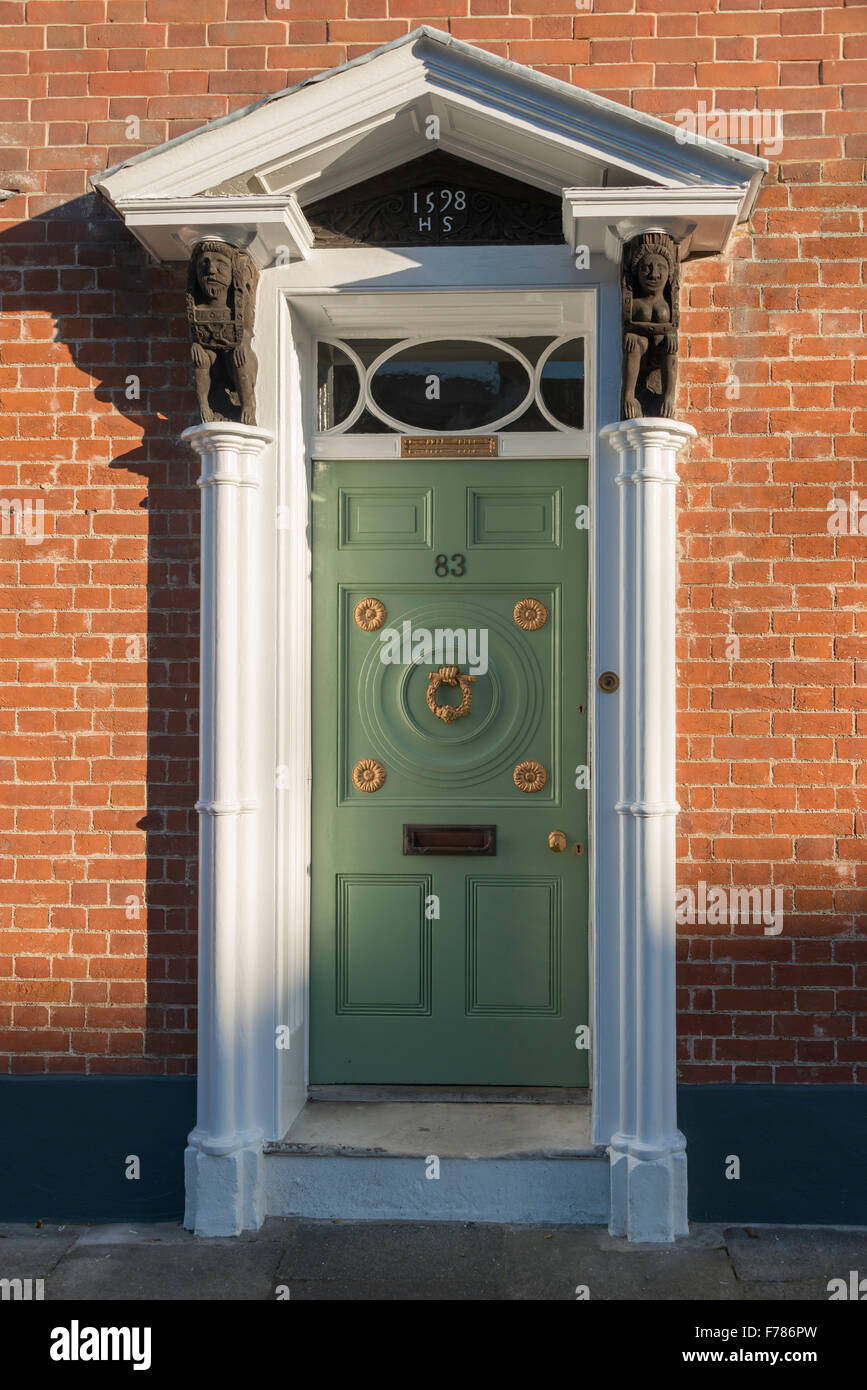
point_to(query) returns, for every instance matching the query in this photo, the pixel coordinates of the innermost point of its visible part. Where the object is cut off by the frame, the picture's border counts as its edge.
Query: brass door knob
(557, 841)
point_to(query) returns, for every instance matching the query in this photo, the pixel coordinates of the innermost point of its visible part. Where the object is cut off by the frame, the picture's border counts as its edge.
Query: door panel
(459, 968)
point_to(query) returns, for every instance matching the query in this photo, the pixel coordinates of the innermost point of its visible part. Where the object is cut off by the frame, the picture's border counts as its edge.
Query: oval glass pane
(561, 384)
(449, 385)
(338, 386)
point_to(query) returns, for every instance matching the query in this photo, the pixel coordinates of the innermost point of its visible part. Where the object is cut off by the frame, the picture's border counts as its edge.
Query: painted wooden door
(463, 967)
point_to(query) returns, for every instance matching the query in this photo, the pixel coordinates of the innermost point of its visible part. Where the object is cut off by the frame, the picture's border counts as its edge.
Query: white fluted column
(647, 1152)
(225, 1148)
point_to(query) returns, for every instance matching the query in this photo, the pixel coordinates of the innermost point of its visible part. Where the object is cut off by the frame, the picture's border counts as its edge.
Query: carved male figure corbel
(650, 284)
(221, 302)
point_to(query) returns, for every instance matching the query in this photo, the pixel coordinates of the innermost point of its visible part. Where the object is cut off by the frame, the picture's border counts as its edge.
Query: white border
(365, 399)
(289, 320)
(632, 547)
(548, 133)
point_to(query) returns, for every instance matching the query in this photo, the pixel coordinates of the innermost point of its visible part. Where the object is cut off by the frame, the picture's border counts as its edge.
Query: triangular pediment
(437, 200)
(426, 91)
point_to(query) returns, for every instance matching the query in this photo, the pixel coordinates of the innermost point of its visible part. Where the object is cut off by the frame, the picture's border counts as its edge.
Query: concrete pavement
(363, 1261)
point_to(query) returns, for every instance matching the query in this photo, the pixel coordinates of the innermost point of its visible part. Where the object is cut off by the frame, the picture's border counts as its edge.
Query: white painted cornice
(371, 114)
(700, 219)
(272, 229)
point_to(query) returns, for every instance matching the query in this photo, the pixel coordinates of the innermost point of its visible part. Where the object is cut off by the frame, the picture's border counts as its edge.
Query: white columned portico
(247, 179)
(647, 1151)
(223, 1160)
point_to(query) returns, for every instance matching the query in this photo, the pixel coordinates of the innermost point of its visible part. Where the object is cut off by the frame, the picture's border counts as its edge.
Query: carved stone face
(214, 274)
(651, 272)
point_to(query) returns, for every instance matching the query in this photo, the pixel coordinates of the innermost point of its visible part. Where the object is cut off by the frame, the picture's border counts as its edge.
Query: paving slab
(32, 1256)
(147, 1233)
(412, 1292)
(204, 1270)
(31, 1230)
(782, 1253)
(400, 1261)
(792, 1291)
(424, 1255)
(553, 1265)
(705, 1237)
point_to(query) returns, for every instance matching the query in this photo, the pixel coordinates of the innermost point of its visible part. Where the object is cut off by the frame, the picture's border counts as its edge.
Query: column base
(648, 1190)
(224, 1192)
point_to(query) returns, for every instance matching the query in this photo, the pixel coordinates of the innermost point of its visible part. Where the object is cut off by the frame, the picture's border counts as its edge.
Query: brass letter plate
(450, 839)
(449, 446)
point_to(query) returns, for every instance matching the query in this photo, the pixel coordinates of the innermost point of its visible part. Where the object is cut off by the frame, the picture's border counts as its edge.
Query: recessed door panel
(391, 517)
(383, 944)
(449, 940)
(512, 517)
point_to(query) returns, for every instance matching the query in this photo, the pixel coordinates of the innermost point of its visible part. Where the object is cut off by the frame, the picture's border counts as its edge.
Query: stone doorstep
(422, 1161)
(416, 1129)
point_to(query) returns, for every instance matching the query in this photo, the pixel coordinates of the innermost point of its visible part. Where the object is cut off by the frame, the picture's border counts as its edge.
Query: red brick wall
(97, 733)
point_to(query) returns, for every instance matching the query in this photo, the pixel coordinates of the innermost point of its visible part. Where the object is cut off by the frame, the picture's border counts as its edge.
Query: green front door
(449, 941)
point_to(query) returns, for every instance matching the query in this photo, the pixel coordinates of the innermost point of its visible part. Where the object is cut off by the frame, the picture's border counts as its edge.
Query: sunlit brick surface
(100, 619)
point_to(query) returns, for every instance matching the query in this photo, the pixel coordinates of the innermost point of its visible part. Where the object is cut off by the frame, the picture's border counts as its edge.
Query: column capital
(227, 451)
(647, 431)
(218, 436)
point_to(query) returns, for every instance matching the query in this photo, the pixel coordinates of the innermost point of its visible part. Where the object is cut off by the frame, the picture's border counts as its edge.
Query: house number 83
(441, 568)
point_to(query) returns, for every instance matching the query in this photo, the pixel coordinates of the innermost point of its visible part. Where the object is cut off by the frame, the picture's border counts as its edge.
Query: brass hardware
(580, 709)
(530, 776)
(530, 614)
(368, 775)
(370, 614)
(449, 675)
(608, 681)
(557, 841)
(578, 849)
(449, 446)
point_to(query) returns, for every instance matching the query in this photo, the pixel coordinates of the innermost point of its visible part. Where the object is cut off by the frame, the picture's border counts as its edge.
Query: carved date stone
(650, 285)
(221, 302)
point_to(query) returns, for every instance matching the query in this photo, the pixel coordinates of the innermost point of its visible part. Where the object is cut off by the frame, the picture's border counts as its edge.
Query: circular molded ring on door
(370, 614)
(530, 614)
(530, 776)
(608, 681)
(368, 775)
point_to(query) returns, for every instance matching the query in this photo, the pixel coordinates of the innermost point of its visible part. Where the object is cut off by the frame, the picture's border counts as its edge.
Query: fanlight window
(450, 385)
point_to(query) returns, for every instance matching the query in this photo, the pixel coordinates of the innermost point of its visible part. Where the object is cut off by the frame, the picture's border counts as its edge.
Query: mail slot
(449, 839)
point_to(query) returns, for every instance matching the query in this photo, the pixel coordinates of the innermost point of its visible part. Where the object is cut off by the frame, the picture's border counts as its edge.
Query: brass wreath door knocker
(449, 675)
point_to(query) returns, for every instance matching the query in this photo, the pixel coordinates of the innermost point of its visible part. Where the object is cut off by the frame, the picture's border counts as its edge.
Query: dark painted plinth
(64, 1142)
(802, 1151)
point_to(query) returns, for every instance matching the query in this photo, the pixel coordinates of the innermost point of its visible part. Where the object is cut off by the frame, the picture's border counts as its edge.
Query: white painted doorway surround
(243, 178)
(255, 589)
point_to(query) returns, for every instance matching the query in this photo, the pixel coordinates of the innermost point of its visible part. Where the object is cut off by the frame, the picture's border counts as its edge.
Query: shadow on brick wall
(103, 392)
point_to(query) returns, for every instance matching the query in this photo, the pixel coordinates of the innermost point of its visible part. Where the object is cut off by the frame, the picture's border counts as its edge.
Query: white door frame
(263, 1084)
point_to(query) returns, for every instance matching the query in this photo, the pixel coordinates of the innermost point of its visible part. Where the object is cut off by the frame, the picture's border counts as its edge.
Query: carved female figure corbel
(221, 302)
(650, 284)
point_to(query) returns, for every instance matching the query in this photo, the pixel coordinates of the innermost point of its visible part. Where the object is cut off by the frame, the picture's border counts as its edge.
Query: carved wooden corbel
(221, 302)
(650, 286)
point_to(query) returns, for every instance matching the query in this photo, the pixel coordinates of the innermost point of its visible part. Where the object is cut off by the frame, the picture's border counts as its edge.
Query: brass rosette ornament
(368, 775)
(449, 675)
(370, 614)
(530, 614)
(530, 776)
